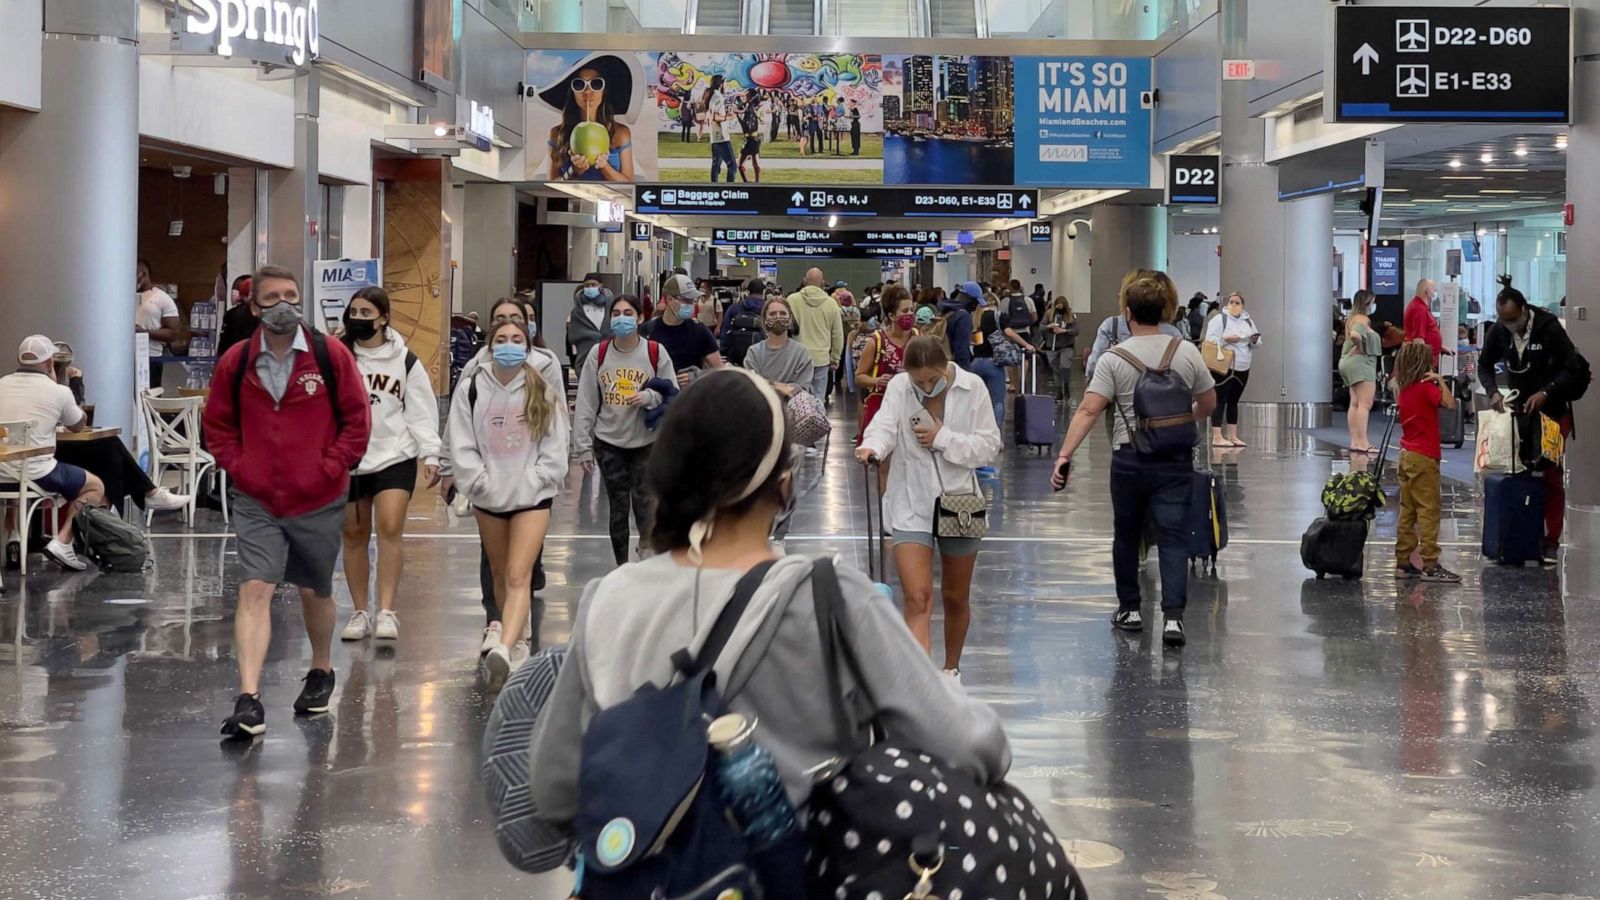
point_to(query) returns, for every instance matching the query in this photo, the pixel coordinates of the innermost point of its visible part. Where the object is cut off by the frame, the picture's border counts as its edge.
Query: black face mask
(361, 329)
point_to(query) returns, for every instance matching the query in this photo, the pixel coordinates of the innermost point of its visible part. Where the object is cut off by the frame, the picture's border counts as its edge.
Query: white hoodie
(540, 358)
(405, 412)
(498, 464)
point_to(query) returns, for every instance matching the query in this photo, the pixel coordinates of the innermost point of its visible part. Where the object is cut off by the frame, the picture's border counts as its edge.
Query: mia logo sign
(280, 23)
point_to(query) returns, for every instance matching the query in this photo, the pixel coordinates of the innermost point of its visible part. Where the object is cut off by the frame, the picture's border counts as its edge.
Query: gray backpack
(1163, 404)
(109, 540)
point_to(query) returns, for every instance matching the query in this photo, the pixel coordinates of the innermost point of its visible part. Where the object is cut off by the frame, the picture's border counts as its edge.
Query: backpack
(743, 332)
(749, 121)
(1163, 404)
(526, 841)
(1352, 495)
(1020, 312)
(109, 540)
(319, 350)
(651, 820)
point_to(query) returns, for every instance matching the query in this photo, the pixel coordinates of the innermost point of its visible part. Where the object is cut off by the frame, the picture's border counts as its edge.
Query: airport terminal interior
(361, 233)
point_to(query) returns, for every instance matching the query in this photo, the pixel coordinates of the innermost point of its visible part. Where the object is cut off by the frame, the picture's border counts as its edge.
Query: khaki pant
(1419, 509)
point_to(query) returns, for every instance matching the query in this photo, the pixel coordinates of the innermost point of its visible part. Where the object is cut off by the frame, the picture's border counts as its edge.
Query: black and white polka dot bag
(891, 822)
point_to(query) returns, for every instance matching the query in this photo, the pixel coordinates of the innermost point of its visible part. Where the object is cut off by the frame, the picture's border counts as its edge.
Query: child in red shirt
(1422, 391)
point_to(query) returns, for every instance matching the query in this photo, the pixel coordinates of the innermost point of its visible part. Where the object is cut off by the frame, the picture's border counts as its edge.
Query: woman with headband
(721, 473)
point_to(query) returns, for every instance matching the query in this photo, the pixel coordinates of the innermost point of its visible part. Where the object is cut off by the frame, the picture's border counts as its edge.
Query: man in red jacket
(1420, 323)
(287, 418)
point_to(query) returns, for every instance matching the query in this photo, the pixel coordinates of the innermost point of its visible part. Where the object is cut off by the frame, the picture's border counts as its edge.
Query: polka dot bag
(891, 822)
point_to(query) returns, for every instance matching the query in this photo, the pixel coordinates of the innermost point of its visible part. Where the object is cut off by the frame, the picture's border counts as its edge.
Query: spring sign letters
(278, 22)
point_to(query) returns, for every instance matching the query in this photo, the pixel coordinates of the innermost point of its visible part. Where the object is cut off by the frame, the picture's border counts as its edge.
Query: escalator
(719, 17)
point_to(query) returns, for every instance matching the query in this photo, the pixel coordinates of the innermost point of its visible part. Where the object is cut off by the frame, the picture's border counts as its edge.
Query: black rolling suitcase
(1034, 418)
(1453, 426)
(1335, 547)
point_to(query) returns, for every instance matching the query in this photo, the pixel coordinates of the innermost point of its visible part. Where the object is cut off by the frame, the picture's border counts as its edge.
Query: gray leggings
(1060, 361)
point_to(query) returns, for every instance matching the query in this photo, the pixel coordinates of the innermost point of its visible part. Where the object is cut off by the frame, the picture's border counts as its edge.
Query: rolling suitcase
(1453, 426)
(1034, 417)
(1335, 547)
(877, 549)
(1513, 517)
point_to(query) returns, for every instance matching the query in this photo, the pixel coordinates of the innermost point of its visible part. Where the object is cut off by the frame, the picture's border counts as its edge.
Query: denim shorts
(947, 546)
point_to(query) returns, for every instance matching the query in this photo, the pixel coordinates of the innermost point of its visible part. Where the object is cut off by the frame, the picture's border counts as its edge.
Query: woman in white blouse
(1233, 330)
(936, 417)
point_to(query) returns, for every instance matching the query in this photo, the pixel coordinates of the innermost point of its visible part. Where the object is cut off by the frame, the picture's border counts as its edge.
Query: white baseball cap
(36, 349)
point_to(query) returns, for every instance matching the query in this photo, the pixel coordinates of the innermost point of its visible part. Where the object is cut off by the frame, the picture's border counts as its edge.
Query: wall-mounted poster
(784, 118)
(1086, 121)
(591, 117)
(438, 37)
(948, 119)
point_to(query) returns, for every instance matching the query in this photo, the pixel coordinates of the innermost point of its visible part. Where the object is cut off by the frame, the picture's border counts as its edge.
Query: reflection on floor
(1315, 739)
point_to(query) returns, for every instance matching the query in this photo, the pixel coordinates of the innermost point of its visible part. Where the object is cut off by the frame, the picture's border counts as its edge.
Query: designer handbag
(963, 514)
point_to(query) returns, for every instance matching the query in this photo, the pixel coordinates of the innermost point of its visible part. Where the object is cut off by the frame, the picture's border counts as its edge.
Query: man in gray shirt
(1144, 487)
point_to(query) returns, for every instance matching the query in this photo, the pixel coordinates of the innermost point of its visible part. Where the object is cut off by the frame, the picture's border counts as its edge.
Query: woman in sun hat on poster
(595, 99)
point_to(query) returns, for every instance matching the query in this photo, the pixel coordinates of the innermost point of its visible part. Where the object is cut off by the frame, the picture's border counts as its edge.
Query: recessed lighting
(1455, 163)
(1486, 158)
(833, 221)
(1461, 177)
(1521, 151)
(440, 131)
(1482, 232)
(1433, 237)
(1498, 191)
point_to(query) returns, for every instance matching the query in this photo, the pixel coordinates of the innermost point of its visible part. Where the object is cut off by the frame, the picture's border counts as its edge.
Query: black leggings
(622, 470)
(1229, 390)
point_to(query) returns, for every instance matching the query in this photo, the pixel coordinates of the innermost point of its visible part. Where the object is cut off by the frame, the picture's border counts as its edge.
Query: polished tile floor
(1315, 739)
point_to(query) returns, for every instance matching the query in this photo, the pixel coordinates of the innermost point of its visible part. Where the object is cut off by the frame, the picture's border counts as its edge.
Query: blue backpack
(651, 821)
(1163, 404)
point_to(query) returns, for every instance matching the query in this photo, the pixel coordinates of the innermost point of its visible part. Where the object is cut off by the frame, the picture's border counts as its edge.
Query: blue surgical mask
(591, 293)
(533, 330)
(685, 310)
(938, 388)
(510, 355)
(624, 326)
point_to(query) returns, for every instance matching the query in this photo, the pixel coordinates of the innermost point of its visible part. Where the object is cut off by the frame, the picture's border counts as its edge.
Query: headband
(700, 531)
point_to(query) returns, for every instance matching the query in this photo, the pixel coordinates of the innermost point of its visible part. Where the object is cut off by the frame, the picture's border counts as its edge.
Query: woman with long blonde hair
(508, 439)
(1358, 366)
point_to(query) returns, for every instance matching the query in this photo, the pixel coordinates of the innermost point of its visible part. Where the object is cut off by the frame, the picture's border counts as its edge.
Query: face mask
(685, 310)
(624, 326)
(282, 318)
(361, 329)
(938, 388)
(510, 355)
(777, 325)
(905, 322)
(533, 331)
(591, 293)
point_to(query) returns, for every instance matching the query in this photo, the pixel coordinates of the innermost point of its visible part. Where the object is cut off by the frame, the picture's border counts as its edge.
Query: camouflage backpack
(1352, 495)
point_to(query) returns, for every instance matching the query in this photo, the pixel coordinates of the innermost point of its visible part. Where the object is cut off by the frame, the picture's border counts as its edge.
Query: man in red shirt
(287, 418)
(1420, 323)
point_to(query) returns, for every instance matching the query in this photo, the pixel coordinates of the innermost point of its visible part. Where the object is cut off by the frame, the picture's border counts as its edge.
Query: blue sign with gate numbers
(1083, 121)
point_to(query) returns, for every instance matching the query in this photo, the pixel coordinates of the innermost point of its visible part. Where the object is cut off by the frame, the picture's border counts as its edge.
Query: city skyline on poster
(948, 119)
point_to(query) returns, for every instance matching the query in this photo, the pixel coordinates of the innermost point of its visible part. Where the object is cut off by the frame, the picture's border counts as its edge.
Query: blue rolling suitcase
(1034, 414)
(1513, 517)
(1208, 521)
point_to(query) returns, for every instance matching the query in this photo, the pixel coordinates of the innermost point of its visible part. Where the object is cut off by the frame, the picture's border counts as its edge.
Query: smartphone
(921, 419)
(1064, 471)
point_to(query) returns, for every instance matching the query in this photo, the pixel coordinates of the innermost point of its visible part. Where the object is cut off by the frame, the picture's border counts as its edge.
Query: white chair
(17, 488)
(174, 429)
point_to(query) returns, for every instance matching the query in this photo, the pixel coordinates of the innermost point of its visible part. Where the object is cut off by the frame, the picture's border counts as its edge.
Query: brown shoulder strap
(1172, 350)
(1127, 356)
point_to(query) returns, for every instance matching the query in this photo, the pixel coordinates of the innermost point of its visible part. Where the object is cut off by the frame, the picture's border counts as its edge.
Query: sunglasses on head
(593, 84)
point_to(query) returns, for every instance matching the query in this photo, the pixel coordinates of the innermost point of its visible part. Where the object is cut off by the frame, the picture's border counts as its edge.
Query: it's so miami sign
(262, 30)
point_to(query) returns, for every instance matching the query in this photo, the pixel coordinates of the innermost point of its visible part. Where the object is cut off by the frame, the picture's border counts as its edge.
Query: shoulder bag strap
(1127, 356)
(319, 351)
(829, 604)
(1172, 350)
(727, 620)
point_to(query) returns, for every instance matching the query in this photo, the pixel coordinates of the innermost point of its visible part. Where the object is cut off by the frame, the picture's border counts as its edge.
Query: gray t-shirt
(791, 365)
(1115, 378)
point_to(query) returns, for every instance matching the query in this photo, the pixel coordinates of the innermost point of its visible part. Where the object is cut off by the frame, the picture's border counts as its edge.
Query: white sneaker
(65, 555)
(953, 673)
(496, 668)
(461, 507)
(520, 651)
(491, 639)
(388, 627)
(162, 499)
(360, 626)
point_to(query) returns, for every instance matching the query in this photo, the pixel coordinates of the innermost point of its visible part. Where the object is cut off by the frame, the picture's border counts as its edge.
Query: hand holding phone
(1063, 472)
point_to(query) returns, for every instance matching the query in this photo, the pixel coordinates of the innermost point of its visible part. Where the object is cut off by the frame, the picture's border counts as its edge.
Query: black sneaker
(1172, 633)
(1127, 620)
(1552, 554)
(248, 719)
(1406, 571)
(1439, 574)
(315, 695)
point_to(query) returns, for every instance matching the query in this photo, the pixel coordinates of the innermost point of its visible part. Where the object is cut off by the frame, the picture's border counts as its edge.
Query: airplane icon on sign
(1411, 35)
(1411, 81)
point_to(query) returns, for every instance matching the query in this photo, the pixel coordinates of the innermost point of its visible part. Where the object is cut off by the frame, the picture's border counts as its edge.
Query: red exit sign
(1238, 69)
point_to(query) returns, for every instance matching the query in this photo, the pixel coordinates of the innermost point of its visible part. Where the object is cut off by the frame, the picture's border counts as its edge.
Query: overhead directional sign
(826, 251)
(1450, 64)
(641, 231)
(1040, 232)
(1194, 179)
(729, 237)
(778, 200)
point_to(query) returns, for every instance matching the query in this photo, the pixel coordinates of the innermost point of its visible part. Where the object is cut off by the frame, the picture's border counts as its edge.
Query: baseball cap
(63, 352)
(971, 289)
(924, 315)
(36, 349)
(681, 287)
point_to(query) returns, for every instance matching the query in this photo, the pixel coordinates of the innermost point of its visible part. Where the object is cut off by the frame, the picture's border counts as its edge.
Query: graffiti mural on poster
(1088, 121)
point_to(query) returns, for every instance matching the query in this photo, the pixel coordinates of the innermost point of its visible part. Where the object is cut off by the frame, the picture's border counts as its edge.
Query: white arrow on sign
(648, 196)
(1366, 56)
(798, 198)
(1024, 202)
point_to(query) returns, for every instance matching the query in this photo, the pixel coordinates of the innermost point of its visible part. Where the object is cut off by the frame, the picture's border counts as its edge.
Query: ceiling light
(1482, 232)
(1498, 191)
(440, 131)
(1460, 177)
(1521, 151)
(1561, 142)
(1433, 237)
(1486, 158)
(1455, 163)
(833, 221)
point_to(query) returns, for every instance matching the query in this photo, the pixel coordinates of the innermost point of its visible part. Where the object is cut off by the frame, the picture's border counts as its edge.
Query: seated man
(31, 395)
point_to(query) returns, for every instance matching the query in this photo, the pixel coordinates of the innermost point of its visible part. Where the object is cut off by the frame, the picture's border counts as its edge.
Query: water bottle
(750, 783)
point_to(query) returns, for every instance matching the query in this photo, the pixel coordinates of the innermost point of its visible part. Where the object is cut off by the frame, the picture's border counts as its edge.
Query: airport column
(69, 199)
(1125, 238)
(294, 203)
(1279, 256)
(1583, 306)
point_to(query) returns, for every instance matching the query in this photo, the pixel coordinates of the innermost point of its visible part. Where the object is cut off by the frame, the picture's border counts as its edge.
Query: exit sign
(1238, 70)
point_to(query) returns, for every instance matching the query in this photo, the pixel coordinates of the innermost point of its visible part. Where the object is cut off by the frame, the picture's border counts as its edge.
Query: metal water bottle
(750, 783)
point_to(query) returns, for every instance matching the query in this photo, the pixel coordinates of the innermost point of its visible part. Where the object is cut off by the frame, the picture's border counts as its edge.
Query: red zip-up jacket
(290, 456)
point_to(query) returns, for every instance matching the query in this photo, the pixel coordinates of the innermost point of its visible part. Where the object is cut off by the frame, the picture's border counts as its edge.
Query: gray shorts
(300, 550)
(946, 546)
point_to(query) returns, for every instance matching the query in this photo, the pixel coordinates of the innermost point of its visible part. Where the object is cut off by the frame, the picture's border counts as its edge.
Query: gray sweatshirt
(499, 464)
(538, 357)
(630, 622)
(791, 365)
(602, 412)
